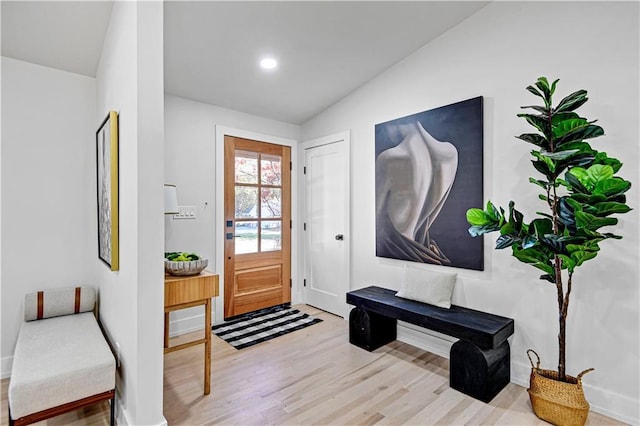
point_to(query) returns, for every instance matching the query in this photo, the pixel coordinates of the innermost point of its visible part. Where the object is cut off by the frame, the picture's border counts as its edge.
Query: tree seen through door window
(258, 225)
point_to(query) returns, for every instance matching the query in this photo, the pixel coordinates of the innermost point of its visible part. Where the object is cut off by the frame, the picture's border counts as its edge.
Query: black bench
(479, 363)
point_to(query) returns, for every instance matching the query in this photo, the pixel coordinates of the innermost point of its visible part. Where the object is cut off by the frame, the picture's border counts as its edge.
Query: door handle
(339, 237)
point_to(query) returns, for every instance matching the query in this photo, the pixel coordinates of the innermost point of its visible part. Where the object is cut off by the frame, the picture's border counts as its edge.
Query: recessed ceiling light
(268, 63)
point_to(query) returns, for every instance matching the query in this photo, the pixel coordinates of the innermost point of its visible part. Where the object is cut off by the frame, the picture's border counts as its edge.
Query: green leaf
(543, 168)
(477, 217)
(577, 160)
(580, 173)
(581, 146)
(559, 155)
(553, 86)
(535, 257)
(586, 177)
(561, 128)
(542, 227)
(508, 229)
(575, 205)
(567, 262)
(542, 110)
(553, 242)
(591, 222)
(614, 236)
(558, 117)
(596, 198)
(548, 277)
(574, 182)
(612, 187)
(504, 241)
(572, 102)
(588, 132)
(601, 158)
(515, 218)
(571, 239)
(535, 91)
(543, 85)
(571, 248)
(536, 121)
(599, 172)
(566, 213)
(492, 211)
(476, 231)
(541, 183)
(529, 241)
(582, 256)
(607, 208)
(536, 139)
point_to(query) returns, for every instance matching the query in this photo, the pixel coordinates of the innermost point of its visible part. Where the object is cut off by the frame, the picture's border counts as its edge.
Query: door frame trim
(344, 136)
(218, 196)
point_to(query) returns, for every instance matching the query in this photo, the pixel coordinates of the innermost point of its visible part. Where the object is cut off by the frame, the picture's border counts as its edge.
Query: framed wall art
(428, 172)
(107, 190)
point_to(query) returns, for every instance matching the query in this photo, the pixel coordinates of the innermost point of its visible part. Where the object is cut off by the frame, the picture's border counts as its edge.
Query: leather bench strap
(40, 304)
(76, 307)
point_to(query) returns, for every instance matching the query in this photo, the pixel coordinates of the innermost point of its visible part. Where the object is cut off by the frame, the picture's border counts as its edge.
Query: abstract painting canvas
(428, 173)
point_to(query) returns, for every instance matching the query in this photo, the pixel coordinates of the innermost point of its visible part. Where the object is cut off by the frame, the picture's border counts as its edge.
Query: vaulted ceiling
(325, 49)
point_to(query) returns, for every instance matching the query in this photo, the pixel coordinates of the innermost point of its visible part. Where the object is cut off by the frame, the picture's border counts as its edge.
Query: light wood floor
(314, 376)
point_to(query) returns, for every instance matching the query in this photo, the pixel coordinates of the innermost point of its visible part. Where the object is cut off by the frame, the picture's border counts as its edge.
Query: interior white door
(327, 225)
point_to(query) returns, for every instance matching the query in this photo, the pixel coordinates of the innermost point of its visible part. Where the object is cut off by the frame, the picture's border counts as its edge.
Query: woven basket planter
(554, 401)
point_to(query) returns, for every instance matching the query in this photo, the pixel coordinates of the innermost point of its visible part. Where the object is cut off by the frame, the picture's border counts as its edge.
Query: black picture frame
(107, 160)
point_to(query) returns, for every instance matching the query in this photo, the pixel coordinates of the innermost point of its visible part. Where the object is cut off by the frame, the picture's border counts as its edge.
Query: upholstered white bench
(61, 361)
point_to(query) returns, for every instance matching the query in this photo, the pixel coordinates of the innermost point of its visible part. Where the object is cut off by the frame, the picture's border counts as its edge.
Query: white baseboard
(123, 416)
(602, 401)
(5, 367)
(427, 340)
(186, 325)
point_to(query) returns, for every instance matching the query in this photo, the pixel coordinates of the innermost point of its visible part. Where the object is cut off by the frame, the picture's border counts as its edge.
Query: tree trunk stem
(562, 319)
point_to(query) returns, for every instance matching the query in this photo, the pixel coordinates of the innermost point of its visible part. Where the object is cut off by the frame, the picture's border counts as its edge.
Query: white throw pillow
(434, 288)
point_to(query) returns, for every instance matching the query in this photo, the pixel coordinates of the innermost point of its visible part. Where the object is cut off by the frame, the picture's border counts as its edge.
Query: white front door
(326, 228)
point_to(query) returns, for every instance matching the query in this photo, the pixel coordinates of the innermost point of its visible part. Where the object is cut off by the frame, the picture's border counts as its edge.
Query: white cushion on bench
(59, 360)
(434, 288)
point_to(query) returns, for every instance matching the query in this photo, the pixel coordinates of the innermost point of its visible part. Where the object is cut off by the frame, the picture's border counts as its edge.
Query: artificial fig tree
(579, 188)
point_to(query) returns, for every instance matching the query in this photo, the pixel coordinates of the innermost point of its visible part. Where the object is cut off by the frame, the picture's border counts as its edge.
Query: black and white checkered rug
(262, 326)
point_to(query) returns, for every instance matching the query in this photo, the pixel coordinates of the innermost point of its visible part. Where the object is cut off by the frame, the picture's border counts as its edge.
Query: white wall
(190, 165)
(496, 53)
(130, 80)
(48, 187)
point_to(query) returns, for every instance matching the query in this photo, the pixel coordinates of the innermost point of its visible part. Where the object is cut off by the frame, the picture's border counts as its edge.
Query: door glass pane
(246, 202)
(271, 168)
(246, 238)
(246, 167)
(271, 203)
(271, 231)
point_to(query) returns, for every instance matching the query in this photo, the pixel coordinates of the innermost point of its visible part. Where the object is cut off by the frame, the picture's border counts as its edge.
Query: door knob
(339, 237)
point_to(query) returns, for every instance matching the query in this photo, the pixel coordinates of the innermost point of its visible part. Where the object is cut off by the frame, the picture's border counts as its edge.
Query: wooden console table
(186, 292)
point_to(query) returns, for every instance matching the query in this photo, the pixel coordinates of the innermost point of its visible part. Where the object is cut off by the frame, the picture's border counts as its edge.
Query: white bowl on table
(185, 268)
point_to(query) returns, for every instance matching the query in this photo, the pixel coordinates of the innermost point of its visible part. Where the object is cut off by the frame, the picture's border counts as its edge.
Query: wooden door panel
(257, 226)
(257, 279)
(256, 301)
